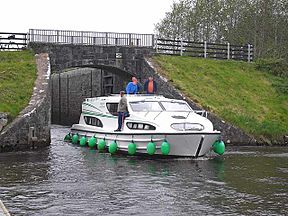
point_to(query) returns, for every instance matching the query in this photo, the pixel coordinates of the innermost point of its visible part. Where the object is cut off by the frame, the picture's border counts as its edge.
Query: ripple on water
(281, 155)
(65, 179)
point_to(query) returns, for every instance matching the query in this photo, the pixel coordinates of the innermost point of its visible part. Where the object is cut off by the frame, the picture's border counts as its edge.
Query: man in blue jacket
(132, 87)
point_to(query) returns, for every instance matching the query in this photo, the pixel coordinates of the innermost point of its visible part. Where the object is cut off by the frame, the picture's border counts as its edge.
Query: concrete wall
(31, 129)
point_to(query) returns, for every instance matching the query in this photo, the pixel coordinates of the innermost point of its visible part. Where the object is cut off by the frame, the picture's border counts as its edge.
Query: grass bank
(17, 77)
(235, 91)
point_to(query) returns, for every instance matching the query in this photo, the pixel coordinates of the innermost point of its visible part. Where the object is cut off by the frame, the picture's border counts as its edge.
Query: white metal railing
(91, 38)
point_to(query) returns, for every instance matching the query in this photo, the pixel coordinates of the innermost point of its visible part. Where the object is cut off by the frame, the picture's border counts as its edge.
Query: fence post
(228, 50)
(249, 52)
(205, 49)
(130, 40)
(181, 48)
(106, 38)
(57, 36)
(155, 43)
(31, 38)
(154, 37)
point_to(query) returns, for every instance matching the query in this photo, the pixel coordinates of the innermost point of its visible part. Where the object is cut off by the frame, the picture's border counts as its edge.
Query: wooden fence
(13, 41)
(204, 49)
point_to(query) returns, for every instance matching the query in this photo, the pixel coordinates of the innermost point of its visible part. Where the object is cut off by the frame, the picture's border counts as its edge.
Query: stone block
(3, 120)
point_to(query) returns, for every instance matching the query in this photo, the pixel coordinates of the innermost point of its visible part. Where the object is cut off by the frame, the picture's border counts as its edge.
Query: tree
(264, 23)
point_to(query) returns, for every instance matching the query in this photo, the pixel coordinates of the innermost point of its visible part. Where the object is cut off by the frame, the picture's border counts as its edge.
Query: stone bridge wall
(63, 56)
(31, 129)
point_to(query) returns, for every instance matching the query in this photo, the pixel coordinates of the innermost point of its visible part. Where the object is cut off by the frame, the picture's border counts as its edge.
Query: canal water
(65, 179)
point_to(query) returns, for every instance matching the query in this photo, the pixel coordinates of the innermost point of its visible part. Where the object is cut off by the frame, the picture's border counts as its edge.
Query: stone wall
(64, 56)
(31, 129)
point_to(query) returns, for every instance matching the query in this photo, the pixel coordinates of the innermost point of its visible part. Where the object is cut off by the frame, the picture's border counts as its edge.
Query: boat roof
(132, 98)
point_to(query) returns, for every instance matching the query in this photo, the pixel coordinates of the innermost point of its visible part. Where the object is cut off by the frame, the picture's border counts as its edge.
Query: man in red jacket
(150, 86)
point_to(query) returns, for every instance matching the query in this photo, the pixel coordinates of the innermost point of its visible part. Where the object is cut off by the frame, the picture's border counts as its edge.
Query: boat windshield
(146, 106)
(175, 106)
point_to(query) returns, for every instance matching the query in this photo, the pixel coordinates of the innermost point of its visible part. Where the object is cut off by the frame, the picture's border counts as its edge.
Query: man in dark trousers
(150, 86)
(122, 110)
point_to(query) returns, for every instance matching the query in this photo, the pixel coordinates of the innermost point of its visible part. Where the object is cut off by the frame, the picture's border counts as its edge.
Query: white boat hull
(192, 144)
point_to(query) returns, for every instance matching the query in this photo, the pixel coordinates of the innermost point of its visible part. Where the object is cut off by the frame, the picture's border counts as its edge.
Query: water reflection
(69, 180)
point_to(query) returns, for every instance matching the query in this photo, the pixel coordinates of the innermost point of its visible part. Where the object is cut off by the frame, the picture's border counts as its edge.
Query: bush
(281, 85)
(277, 67)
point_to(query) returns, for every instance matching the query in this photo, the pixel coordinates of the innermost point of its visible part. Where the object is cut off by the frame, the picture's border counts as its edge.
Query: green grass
(17, 77)
(235, 91)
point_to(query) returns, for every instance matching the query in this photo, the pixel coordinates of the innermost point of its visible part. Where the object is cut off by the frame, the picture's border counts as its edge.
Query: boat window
(175, 106)
(93, 121)
(146, 106)
(187, 126)
(140, 126)
(112, 108)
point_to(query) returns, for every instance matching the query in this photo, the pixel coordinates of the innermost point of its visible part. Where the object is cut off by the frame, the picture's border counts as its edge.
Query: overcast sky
(127, 16)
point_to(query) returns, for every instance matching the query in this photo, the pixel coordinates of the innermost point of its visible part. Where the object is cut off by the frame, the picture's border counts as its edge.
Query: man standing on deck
(132, 87)
(150, 86)
(122, 110)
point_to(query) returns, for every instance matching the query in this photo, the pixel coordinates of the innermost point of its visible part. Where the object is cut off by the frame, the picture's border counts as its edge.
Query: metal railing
(91, 38)
(204, 49)
(13, 41)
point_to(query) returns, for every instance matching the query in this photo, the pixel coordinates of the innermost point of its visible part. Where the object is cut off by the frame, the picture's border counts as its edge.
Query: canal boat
(156, 125)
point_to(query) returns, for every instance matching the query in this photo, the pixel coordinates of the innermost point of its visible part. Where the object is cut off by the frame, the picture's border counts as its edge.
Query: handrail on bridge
(91, 38)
